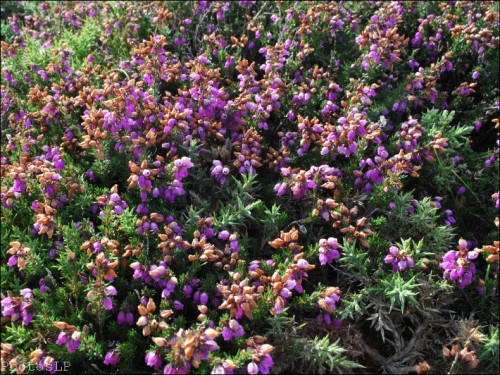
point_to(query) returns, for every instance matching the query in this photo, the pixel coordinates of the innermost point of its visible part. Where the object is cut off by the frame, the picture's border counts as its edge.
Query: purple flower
(220, 172)
(10, 307)
(108, 303)
(72, 340)
(234, 330)
(112, 358)
(129, 318)
(457, 264)
(43, 287)
(224, 235)
(153, 360)
(399, 259)
(450, 220)
(17, 307)
(252, 368)
(188, 290)
(182, 165)
(226, 367)
(121, 318)
(204, 298)
(328, 250)
(266, 361)
(461, 190)
(477, 126)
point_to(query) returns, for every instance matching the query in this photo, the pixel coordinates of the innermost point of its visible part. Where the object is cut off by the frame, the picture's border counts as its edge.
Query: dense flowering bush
(249, 187)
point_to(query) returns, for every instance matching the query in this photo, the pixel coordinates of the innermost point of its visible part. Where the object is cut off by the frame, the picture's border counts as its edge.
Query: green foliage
(303, 355)
(354, 305)
(418, 220)
(83, 43)
(322, 357)
(355, 259)
(489, 353)
(399, 292)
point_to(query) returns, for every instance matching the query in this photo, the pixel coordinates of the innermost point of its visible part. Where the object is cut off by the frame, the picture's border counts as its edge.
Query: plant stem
(460, 178)
(486, 280)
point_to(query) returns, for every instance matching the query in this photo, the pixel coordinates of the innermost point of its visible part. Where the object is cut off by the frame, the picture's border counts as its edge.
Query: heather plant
(249, 187)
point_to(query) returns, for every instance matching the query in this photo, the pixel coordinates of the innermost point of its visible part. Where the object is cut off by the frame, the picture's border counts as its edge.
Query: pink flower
(112, 358)
(457, 264)
(252, 368)
(108, 303)
(235, 330)
(153, 360)
(399, 259)
(328, 250)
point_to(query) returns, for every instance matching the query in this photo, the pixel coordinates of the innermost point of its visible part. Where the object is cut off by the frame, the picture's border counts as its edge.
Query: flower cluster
(190, 348)
(458, 265)
(19, 255)
(69, 335)
(399, 259)
(327, 302)
(220, 172)
(234, 330)
(19, 307)
(328, 250)
(261, 357)
(114, 201)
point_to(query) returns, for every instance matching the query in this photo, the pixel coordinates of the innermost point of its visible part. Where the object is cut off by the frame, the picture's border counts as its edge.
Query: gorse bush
(249, 187)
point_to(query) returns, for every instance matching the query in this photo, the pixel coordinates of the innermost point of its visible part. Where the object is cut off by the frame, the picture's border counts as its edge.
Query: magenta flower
(328, 250)
(71, 339)
(204, 298)
(17, 307)
(457, 264)
(153, 360)
(182, 165)
(224, 235)
(266, 361)
(496, 198)
(234, 330)
(107, 301)
(226, 367)
(252, 368)
(399, 259)
(220, 172)
(112, 358)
